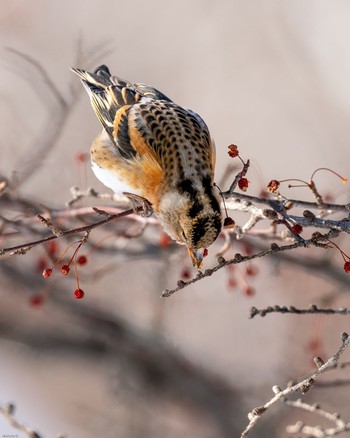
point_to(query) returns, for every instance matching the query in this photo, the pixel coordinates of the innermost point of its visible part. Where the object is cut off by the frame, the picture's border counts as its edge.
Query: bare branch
(92, 193)
(313, 310)
(303, 386)
(43, 74)
(56, 231)
(24, 247)
(274, 249)
(345, 208)
(8, 412)
(316, 431)
(58, 113)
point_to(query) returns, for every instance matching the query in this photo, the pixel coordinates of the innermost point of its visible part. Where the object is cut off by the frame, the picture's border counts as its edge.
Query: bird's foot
(141, 206)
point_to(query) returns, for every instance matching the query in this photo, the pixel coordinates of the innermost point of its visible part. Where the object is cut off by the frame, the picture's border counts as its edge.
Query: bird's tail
(107, 94)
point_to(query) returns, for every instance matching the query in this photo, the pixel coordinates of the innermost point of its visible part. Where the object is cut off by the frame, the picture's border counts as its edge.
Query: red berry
(243, 184)
(233, 151)
(314, 344)
(82, 260)
(82, 157)
(328, 197)
(185, 274)
(297, 228)
(41, 263)
(347, 267)
(47, 272)
(205, 252)
(273, 185)
(36, 300)
(229, 222)
(52, 247)
(251, 271)
(79, 294)
(231, 283)
(248, 249)
(249, 291)
(65, 270)
(164, 240)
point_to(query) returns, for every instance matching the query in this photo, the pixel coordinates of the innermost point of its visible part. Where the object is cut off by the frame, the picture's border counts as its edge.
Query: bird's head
(192, 219)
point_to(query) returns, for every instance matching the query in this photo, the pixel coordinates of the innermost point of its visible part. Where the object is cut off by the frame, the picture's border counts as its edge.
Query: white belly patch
(111, 180)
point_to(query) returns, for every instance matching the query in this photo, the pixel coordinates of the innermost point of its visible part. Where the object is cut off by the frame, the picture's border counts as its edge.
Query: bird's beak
(196, 256)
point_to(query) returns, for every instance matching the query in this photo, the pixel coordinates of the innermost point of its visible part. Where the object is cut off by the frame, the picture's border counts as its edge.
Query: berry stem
(76, 273)
(75, 252)
(342, 253)
(64, 253)
(223, 199)
(304, 183)
(344, 180)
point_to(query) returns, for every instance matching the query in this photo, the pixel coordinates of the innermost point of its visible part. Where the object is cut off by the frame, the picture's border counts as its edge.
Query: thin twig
(42, 73)
(24, 247)
(313, 310)
(274, 249)
(303, 386)
(8, 412)
(295, 202)
(317, 431)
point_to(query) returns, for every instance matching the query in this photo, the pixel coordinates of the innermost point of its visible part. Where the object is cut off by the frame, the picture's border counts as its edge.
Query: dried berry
(233, 151)
(297, 228)
(243, 184)
(229, 222)
(273, 185)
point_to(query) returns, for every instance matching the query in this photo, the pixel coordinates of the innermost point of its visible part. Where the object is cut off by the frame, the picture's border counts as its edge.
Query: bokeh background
(271, 77)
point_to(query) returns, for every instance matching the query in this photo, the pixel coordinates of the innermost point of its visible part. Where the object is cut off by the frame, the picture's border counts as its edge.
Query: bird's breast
(114, 180)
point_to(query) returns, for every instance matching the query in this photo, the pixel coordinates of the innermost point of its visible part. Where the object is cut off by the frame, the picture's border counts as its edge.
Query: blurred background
(271, 77)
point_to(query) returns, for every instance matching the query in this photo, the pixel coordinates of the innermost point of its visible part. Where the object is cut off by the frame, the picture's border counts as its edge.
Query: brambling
(153, 148)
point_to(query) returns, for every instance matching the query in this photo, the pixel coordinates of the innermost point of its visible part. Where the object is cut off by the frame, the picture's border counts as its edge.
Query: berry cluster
(346, 258)
(65, 268)
(238, 278)
(242, 181)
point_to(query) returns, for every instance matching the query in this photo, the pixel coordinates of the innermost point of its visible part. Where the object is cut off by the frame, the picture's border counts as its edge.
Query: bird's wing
(111, 98)
(204, 127)
(171, 131)
(140, 120)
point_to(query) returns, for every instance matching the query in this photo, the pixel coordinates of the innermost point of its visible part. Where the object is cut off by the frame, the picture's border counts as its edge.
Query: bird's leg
(139, 201)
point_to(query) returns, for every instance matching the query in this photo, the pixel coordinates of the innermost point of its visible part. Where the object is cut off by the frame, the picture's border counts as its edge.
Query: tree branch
(24, 247)
(313, 310)
(274, 249)
(316, 431)
(8, 412)
(304, 385)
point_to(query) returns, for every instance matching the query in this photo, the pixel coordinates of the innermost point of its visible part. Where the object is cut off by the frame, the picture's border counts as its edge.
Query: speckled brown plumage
(154, 148)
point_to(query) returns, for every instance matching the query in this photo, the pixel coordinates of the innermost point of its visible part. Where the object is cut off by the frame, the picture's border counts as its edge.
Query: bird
(154, 149)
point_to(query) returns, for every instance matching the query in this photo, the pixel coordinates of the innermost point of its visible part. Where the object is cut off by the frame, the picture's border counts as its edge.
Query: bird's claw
(141, 205)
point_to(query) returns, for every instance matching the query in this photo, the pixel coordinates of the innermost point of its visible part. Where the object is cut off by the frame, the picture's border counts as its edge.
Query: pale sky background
(272, 77)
